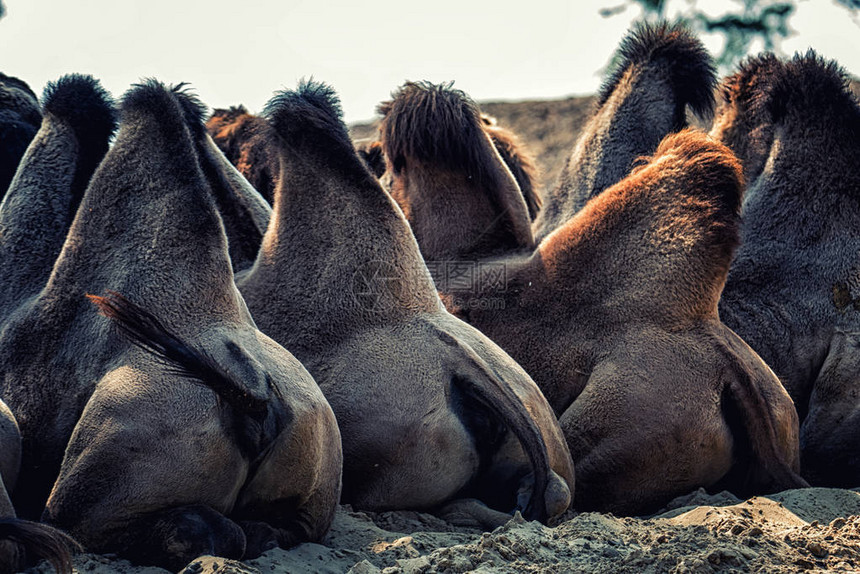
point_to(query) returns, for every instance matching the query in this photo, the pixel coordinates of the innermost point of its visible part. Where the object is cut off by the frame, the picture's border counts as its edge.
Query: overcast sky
(240, 52)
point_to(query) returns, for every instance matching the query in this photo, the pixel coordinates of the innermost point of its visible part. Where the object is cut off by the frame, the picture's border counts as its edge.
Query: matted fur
(693, 75)
(83, 102)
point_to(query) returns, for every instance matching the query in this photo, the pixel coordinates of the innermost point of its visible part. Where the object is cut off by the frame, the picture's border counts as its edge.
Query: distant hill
(549, 128)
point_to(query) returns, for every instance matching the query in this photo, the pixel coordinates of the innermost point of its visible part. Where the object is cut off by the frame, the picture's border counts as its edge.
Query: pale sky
(241, 52)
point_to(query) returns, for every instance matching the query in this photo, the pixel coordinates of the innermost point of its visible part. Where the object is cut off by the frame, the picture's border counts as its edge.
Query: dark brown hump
(658, 72)
(808, 89)
(439, 127)
(334, 229)
(667, 233)
(147, 218)
(20, 117)
(80, 118)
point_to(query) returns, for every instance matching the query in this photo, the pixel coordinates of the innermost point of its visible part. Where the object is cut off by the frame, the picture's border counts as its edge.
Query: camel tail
(477, 380)
(37, 542)
(776, 468)
(144, 330)
(692, 74)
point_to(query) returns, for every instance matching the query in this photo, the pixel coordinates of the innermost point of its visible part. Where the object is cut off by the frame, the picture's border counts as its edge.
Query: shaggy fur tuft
(437, 124)
(193, 109)
(144, 330)
(82, 102)
(748, 87)
(310, 113)
(151, 97)
(809, 82)
(693, 76)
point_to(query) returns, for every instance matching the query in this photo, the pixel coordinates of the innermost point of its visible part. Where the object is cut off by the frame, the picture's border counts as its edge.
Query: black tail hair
(143, 329)
(692, 71)
(40, 542)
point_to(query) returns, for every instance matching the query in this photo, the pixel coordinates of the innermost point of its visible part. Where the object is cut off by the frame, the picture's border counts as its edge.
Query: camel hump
(170, 105)
(808, 85)
(39, 542)
(692, 73)
(145, 330)
(81, 101)
(705, 169)
(754, 74)
(310, 114)
(436, 124)
(519, 161)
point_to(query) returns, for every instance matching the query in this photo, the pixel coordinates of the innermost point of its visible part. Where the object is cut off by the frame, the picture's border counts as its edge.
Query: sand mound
(807, 529)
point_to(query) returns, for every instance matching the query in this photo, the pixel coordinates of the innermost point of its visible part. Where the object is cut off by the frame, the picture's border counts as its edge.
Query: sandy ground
(814, 529)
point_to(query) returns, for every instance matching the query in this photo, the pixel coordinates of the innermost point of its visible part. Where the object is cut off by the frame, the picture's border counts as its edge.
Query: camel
(614, 315)
(37, 210)
(659, 72)
(245, 430)
(20, 118)
(24, 543)
(433, 414)
(455, 189)
(792, 291)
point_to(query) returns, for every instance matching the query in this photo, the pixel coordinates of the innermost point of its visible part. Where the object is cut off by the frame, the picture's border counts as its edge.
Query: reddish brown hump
(520, 162)
(667, 233)
(704, 170)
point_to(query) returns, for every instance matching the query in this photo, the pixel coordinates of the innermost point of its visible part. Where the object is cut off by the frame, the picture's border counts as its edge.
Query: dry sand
(814, 529)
